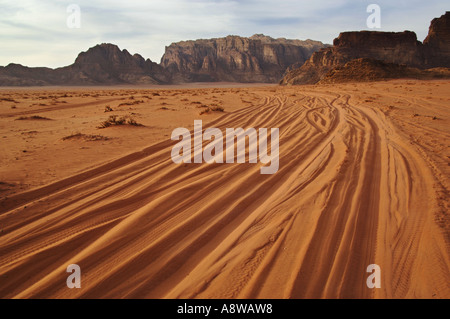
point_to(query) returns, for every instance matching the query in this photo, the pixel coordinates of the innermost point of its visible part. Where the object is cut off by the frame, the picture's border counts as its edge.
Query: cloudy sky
(36, 33)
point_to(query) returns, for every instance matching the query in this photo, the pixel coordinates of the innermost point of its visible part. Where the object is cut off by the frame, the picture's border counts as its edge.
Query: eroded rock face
(391, 47)
(437, 43)
(236, 59)
(19, 75)
(106, 63)
(400, 48)
(102, 64)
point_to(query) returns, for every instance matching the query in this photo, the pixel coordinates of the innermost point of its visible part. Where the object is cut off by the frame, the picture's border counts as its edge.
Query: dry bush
(217, 109)
(212, 109)
(113, 120)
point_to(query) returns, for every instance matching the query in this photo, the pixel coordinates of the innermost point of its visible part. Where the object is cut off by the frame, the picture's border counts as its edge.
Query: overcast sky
(35, 32)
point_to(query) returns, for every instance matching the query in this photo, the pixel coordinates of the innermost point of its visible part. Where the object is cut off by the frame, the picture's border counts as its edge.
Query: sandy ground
(363, 179)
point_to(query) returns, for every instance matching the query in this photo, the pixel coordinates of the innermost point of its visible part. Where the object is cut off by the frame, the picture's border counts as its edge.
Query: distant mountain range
(236, 59)
(354, 56)
(233, 59)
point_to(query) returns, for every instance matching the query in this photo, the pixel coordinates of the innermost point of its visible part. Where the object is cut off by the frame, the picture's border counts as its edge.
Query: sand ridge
(363, 179)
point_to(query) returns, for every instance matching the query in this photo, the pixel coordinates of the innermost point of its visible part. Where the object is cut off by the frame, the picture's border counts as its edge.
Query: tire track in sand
(349, 193)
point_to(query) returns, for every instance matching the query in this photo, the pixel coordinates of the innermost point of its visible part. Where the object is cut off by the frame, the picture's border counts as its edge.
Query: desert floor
(363, 179)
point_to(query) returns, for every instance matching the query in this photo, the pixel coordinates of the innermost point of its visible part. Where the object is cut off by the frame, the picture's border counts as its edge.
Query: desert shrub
(132, 121)
(217, 109)
(212, 109)
(115, 120)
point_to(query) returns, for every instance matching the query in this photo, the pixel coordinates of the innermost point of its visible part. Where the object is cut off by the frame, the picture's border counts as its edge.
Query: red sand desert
(363, 179)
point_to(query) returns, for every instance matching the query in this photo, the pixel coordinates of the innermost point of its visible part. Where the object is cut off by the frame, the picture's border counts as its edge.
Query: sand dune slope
(351, 191)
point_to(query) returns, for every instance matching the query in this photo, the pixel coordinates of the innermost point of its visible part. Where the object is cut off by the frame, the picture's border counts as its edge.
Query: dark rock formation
(437, 43)
(18, 75)
(107, 64)
(102, 64)
(401, 48)
(236, 59)
(391, 47)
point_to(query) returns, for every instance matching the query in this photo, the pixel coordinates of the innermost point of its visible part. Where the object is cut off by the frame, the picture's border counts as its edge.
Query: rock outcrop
(236, 59)
(19, 75)
(107, 64)
(102, 64)
(437, 43)
(401, 48)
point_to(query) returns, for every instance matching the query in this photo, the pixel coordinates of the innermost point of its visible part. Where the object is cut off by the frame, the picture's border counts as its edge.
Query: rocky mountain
(102, 64)
(401, 48)
(107, 64)
(391, 47)
(236, 59)
(19, 75)
(437, 43)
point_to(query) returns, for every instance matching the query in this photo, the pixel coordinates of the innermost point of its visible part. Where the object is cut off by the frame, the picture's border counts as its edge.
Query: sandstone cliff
(400, 48)
(236, 59)
(437, 43)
